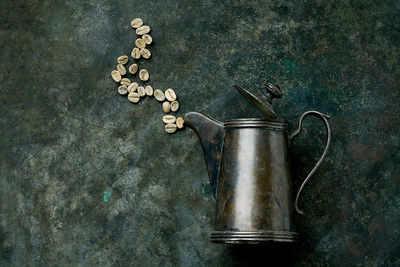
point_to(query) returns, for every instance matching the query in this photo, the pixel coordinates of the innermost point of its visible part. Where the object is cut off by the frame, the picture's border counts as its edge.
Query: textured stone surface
(87, 178)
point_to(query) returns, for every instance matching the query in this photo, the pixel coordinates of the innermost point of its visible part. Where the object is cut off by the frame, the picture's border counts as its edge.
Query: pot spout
(211, 135)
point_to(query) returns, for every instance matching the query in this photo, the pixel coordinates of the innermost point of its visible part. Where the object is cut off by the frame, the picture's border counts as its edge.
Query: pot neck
(276, 124)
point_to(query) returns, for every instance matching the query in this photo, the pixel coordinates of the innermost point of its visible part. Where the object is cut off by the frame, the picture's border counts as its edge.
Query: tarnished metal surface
(324, 118)
(87, 179)
(264, 102)
(211, 135)
(252, 173)
(254, 189)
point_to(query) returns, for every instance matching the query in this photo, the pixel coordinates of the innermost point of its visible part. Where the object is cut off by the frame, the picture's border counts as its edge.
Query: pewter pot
(248, 165)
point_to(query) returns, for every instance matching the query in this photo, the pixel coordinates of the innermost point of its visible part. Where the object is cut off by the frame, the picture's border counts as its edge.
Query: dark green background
(67, 138)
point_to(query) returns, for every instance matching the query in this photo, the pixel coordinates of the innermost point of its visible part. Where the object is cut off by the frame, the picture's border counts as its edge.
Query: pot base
(252, 237)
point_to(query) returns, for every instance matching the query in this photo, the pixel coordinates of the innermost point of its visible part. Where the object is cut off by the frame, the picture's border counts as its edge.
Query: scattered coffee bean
(170, 94)
(135, 92)
(134, 97)
(116, 75)
(143, 30)
(159, 95)
(147, 39)
(122, 90)
(145, 53)
(166, 106)
(123, 60)
(149, 90)
(144, 75)
(133, 87)
(141, 91)
(179, 122)
(125, 81)
(136, 23)
(170, 127)
(140, 43)
(174, 106)
(121, 69)
(135, 53)
(168, 118)
(133, 68)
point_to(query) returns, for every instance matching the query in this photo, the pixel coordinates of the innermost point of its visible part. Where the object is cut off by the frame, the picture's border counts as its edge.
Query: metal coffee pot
(248, 165)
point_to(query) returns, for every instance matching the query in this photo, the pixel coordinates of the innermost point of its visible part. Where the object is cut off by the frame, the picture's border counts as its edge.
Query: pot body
(254, 192)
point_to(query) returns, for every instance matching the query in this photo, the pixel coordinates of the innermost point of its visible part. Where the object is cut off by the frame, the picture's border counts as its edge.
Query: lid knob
(263, 102)
(273, 91)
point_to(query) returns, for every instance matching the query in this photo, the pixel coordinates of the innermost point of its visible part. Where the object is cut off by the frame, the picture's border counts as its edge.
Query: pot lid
(262, 102)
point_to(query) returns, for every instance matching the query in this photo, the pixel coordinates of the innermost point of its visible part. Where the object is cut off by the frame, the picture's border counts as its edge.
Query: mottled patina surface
(87, 178)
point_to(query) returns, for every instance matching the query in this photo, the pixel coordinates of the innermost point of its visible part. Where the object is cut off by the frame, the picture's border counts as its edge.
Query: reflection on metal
(248, 165)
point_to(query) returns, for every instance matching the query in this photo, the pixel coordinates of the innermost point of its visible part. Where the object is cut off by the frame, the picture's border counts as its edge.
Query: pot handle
(325, 118)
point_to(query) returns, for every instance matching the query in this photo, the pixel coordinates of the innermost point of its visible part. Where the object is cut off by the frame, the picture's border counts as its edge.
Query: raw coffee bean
(170, 94)
(174, 106)
(125, 81)
(166, 106)
(144, 75)
(134, 97)
(123, 60)
(135, 53)
(168, 118)
(145, 53)
(143, 30)
(133, 68)
(116, 75)
(147, 39)
(122, 90)
(170, 127)
(141, 91)
(133, 87)
(140, 43)
(136, 23)
(159, 95)
(179, 122)
(149, 90)
(121, 69)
